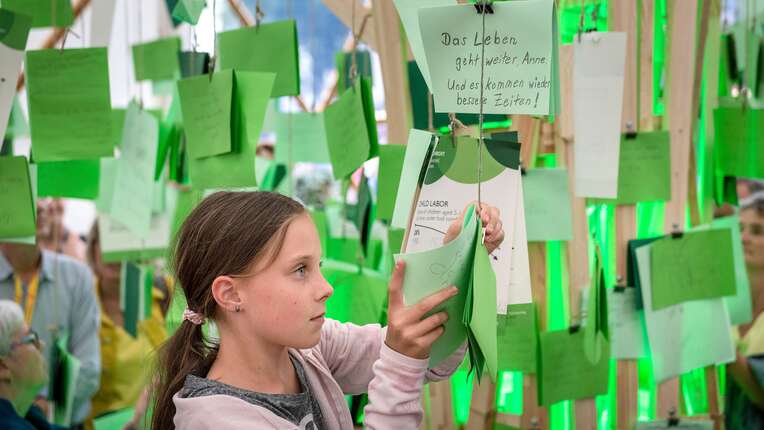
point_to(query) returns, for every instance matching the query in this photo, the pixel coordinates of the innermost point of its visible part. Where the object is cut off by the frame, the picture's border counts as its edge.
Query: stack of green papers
(69, 104)
(157, 60)
(464, 263)
(17, 213)
(65, 371)
(223, 117)
(351, 129)
(270, 47)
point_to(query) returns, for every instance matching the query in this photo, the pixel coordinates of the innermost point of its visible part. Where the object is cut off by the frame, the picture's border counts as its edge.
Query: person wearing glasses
(22, 372)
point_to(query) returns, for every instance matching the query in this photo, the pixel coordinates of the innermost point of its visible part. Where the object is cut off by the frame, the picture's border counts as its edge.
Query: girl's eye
(300, 271)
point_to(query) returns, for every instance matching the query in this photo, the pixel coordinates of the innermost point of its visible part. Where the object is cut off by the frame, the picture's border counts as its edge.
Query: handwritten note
(17, 213)
(686, 336)
(157, 60)
(547, 205)
(518, 338)
(520, 59)
(564, 371)
(44, 13)
(598, 70)
(237, 169)
(697, 266)
(270, 47)
(132, 199)
(347, 134)
(207, 107)
(69, 104)
(627, 338)
(14, 30)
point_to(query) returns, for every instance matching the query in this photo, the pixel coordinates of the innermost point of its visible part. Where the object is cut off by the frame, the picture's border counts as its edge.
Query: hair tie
(193, 317)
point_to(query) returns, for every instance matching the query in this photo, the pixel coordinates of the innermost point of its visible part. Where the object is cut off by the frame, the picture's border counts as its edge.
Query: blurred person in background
(23, 372)
(744, 407)
(51, 232)
(125, 359)
(58, 300)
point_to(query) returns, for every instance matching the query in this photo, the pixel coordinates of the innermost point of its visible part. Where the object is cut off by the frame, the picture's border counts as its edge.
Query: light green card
(44, 13)
(419, 145)
(737, 145)
(390, 165)
(114, 420)
(520, 72)
(237, 169)
(188, 10)
(596, 333)
(697, 266)
(358, 298)
(430, 271)
(684, 424)
(547, 205)
(739, 305)
(157, 60)
(347, 134)
(108, 171)
(270, 47)
(77, 179)
(644, 169)
(518, 338)
(626, 324)
(17, 213)
(565, 373)
(132, 198)
(300, 138)
(481, 296)
(209, 113)
(69, 104)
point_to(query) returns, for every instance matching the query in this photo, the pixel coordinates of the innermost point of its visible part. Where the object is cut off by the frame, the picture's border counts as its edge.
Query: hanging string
(128, 81)
(140, 40)
(290, 149)
(480, 121)
(353, 64)
(214, 53)
(312, 38)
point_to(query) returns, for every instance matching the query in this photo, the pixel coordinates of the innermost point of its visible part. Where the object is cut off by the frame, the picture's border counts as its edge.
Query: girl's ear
(225, 294)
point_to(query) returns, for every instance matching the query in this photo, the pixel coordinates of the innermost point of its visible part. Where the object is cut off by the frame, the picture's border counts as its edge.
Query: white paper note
(626, 324)
(598, 70)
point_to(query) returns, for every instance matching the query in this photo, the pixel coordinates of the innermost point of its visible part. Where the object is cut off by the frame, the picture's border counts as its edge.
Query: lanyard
(31, 296)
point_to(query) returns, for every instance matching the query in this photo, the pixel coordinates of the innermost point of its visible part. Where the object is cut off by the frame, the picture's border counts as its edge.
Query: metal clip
(673, 420)
(676, 233)
(620, 286)
(484, 6)
(574, 328)
(631, 132)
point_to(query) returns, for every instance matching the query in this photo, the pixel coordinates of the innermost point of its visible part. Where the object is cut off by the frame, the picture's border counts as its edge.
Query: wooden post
(532, 412)
(391, 54)
(683, 16)
(627, 376)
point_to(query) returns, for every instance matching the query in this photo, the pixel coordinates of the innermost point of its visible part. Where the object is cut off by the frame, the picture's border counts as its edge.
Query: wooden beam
(387, 27)
(343, 10)
(533, 414)
(241, 12)
(646, 41)
(625, 20)
(440, 394)
(566, 92)
(55, 36)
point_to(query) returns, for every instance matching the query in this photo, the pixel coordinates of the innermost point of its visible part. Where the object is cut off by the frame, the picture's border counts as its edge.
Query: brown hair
(227, 233)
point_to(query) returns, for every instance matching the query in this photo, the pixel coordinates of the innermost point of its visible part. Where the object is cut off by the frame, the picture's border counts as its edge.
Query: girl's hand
(491, 219)
(407, 332)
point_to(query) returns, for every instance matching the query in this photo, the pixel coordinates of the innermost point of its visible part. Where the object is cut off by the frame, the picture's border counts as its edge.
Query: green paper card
(157, 60)
(430, 271)
(547, 205)
(14, 29)
(390, 166)
(697, 266)
(347, 132)
(77, 179)
(418, 150)
(44, 13)
(596, 333)
(193, 63)
(626, 325)
(17, 213)
(358, 298)
(520, 74)
(114, 420)
(518, 338)
(737, 146)
(270, 47)
(188, 10)
(210, 118)
(237, 169)
(69, 104)
(564, 371)
(300, 138)
(482, 324)
(344, 62)
(132, 199)
(739, 305)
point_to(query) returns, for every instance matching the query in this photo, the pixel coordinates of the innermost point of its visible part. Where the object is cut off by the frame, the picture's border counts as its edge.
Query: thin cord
(290, 159)
(140, 40)
(480, 142)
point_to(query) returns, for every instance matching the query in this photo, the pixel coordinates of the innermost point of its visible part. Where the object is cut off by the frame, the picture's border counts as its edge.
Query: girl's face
(752, 234)
(285, 301)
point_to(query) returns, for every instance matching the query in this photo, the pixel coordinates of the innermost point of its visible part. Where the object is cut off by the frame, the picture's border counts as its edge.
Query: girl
(251, 263)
